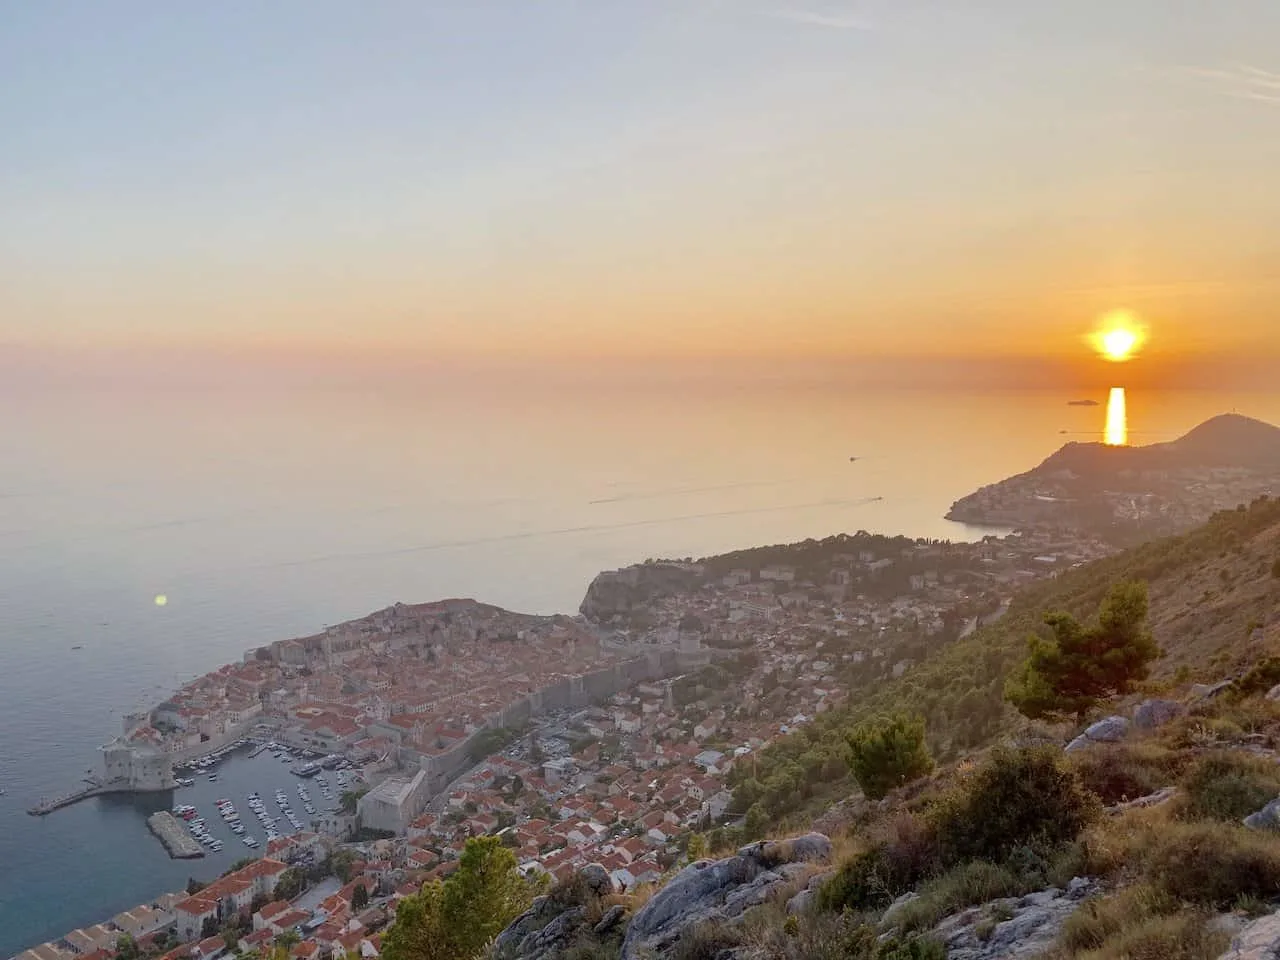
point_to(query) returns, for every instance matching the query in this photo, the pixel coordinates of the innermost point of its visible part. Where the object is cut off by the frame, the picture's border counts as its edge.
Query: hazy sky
(640, 178)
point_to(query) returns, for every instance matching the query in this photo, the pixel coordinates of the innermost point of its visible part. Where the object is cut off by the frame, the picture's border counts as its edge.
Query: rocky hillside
(1150, 830)
(1215, 609)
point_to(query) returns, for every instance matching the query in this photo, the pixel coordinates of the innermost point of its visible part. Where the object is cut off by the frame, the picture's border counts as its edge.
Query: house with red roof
(191, 914)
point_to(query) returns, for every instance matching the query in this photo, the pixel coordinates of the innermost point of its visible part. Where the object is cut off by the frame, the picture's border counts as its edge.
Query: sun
(1118, 336)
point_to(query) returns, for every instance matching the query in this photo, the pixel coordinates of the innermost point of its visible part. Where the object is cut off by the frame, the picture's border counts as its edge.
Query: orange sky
(701, 182)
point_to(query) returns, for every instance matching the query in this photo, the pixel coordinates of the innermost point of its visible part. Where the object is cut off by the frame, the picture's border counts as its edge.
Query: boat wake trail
(565, 531)
(688, 491)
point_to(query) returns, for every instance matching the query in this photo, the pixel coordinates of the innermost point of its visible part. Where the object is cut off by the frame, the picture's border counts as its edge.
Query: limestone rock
(1259, 940)
(552, 923)
(1107, 730)
(1268, 818)
(612, 917)
(543, 931)
(1156, 713)
(1207, 691)
(1033, 924)
(712, 891)
(812, 847)
(1160, 797)
(1274, 693)
(807, 899)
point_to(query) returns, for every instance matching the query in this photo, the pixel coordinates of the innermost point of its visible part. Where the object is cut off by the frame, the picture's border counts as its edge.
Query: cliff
(613, 595)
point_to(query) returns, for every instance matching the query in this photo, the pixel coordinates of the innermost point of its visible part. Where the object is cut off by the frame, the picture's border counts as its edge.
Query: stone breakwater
(180, 844)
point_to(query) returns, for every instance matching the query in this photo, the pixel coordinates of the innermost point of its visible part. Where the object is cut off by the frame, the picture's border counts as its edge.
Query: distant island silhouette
(1082, 403)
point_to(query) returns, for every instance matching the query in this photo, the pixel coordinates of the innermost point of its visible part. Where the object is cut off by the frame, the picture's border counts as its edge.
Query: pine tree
(1068, 675)
(888, 753)
(454, 920)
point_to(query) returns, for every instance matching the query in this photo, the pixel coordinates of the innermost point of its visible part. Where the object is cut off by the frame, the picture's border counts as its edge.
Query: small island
(1082, 403)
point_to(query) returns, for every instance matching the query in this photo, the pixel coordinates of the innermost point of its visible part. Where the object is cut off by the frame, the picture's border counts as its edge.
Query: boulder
(612, 917)
(1107, 730)
(1268, 818)
(1033, 924)
(812, 847)
(1150, 714)
(1259, 940)
(597, 879)
(553, 923)
(543, 931)
(806, 899)
(1274, 693)
(711, 891)
(1207, 691)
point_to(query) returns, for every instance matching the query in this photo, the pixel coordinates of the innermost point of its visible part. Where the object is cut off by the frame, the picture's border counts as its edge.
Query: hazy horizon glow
(705, 181)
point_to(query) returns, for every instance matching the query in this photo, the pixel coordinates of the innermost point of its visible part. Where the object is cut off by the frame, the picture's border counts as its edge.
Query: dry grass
(1126, 771)
(1183, 936)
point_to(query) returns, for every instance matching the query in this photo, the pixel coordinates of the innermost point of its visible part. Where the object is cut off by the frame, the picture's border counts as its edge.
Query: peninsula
(1129, 494)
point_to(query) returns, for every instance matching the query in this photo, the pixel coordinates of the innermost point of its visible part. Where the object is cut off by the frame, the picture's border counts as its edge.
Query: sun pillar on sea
(1117, 430)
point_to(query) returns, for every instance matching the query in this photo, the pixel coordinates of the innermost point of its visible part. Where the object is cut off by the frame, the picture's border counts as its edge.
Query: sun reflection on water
(1117, 432)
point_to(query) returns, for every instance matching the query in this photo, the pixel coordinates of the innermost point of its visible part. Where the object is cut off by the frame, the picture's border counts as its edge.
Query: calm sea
(263, 515)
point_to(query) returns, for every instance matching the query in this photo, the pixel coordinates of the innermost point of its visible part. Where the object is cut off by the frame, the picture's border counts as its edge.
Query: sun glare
(1117, 429)
(1118, 337)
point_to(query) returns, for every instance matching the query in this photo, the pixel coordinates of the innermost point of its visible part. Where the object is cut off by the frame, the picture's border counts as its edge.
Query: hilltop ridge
(1134, 493)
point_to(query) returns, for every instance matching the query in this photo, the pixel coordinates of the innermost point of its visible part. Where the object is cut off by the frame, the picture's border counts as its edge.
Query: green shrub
(917, 948)
(963, 886)
(1017, 798)
(1227, 785)
(900, 858)
(1213, 864)
(1262, 676)
(887, 753)
(870, 880)
(1125, 771)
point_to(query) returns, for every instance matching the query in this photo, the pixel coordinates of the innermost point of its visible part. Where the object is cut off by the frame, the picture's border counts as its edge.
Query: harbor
(180, 844)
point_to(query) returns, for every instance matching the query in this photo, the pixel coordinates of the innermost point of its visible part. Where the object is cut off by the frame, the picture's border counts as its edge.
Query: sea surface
(265, 514)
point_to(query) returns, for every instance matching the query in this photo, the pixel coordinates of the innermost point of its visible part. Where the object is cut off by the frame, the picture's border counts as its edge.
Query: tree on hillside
(888, 753)
(292, 882)
(455, 919)
(1068, 675)
(359, 897)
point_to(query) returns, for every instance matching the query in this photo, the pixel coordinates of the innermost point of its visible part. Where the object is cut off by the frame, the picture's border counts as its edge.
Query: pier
(45, 807)
(180, 844)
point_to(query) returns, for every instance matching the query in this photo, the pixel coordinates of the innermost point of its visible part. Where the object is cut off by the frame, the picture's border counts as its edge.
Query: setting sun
(1118, 337)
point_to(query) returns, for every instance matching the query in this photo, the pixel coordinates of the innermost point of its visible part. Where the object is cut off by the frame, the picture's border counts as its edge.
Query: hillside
(1004, 849)
(1215, 609)
(1135, 493)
